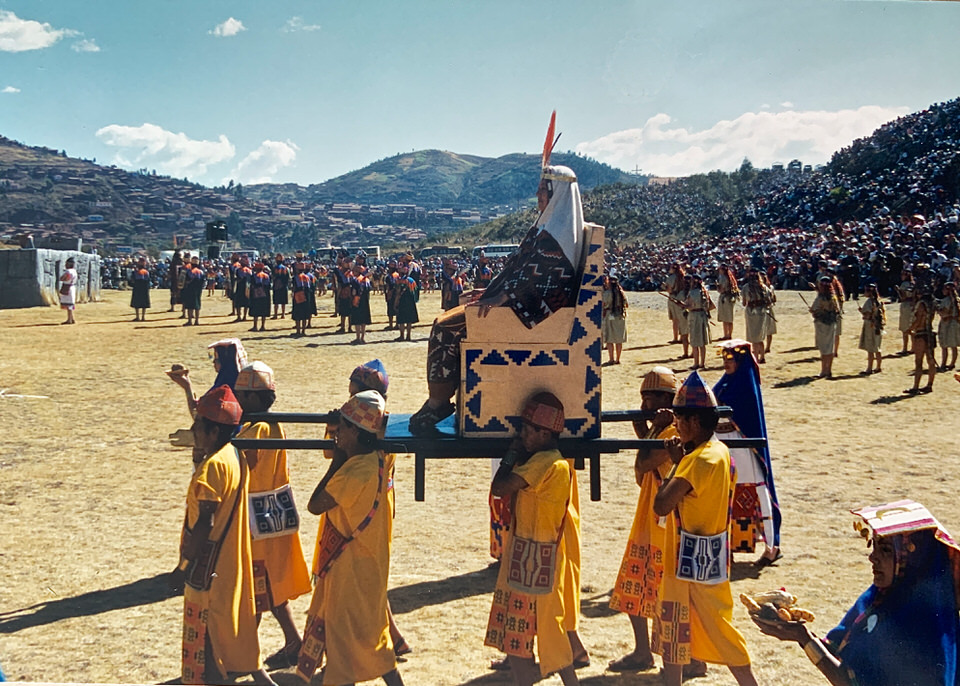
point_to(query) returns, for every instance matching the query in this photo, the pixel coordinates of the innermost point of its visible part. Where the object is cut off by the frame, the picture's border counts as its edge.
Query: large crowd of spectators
(885, 202)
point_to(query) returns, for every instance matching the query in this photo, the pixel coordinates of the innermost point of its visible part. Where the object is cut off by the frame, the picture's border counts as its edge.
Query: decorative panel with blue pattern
(498, 377)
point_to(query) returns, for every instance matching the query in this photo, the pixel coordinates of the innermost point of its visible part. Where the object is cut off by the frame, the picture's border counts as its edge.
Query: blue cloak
(741, 391)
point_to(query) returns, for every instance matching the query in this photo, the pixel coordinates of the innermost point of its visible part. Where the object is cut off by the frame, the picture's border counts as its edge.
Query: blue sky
(304, 91)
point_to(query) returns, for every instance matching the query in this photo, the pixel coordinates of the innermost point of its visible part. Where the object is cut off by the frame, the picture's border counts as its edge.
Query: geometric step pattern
(498, 377)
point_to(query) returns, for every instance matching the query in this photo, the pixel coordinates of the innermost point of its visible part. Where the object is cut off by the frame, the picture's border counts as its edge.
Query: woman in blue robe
(903, 630)
(755, 500)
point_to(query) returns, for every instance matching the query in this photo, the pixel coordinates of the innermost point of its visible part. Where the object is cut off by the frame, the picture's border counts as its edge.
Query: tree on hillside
(747, 171)
(235, 225)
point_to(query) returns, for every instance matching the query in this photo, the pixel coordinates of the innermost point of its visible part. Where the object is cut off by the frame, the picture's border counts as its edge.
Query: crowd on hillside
(884, 202)
(873, 250)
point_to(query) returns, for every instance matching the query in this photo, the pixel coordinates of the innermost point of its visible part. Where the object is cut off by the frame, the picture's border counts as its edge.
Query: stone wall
(30, 278)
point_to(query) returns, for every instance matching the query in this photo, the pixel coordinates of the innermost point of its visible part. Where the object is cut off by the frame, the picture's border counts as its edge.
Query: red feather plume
(549, 142)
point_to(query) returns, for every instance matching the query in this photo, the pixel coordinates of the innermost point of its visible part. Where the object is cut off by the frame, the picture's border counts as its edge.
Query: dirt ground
(91, 492)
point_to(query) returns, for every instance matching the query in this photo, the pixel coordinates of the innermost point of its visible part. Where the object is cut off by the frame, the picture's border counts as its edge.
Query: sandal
(927, 389)
(581, 662)
(911, 391)
(765, 561)
(401, 647)
(425, 420)
(283, 658)
(628, 663)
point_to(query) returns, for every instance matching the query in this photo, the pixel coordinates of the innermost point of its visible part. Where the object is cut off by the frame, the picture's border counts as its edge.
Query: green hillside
(418, 196)
(440, 178)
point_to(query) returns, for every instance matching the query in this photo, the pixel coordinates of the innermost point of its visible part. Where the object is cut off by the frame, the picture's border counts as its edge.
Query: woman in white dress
(68, 290)
(614, 328)
(871, 333)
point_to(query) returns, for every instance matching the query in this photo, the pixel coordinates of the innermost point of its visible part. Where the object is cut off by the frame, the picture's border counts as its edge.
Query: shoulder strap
(563, 521)
(342, 544)
(376, 501)
(236, 496)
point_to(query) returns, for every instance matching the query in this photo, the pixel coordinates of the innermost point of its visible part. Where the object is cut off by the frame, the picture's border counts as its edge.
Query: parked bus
(495, 251)
(441, 251)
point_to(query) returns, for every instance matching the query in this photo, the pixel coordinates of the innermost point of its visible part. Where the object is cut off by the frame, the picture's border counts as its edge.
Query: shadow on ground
(596, 605)
(800, 350)
(669, 361)
(890, 399)
(745, 570)
(141, 592)
(803, 359)
(793, 383)
(439, 591)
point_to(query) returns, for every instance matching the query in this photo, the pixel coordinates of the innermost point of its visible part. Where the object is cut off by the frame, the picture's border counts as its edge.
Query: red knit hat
(220, 405)
(544, 411)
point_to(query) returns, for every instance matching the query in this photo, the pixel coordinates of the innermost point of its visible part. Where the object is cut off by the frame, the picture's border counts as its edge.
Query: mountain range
(909, 165)
(407, 197)
(439, 178)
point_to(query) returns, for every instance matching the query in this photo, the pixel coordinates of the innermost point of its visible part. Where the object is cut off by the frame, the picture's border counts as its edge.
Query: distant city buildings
(108, 207)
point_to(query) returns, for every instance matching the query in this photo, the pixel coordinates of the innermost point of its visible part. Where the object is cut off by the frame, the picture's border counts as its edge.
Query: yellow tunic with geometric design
(279, 567)
(638, 582)
(519, 619)
(225, 612)
(389, 466)
(696, 620)
(347, 619)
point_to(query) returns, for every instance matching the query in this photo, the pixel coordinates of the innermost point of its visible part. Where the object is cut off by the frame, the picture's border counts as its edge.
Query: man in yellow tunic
(369, 376)
(638, 582)
(347, 621)
(219, 621)
(695, 606)
(279, 567)
(528, 602)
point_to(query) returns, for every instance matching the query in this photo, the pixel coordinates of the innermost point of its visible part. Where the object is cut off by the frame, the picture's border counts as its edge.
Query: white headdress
(563, 217)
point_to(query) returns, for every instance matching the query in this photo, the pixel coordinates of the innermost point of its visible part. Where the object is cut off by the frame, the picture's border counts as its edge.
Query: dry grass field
(91, 492)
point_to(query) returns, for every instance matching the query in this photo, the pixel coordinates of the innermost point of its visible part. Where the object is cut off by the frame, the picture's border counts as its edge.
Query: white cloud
(764, 137)
(260, 165)
(170, 153)
(231, 27)
(85, 45)
(296, 24)
(10, 89)
(18, 35)
(787, 105)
